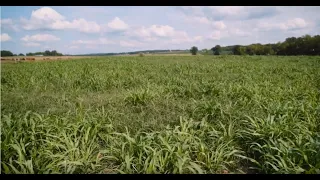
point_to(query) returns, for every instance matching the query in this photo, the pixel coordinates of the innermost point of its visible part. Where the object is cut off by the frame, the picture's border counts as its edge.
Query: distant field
(51, 58)
(42, 58)
(162, 114)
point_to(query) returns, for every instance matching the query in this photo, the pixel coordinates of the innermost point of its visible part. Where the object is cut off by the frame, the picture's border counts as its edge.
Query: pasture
(162, 114)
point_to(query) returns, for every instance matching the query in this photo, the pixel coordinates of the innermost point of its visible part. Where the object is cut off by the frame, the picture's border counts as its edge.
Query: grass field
(162, 114)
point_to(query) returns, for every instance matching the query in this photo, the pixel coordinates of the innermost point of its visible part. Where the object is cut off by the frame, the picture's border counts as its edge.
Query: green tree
(216, 50)
(238, 50)
(250, 50)
(204, 51)
(5, 53)
(21, 54)
(54, 53)
(47, 53)
(194, 50)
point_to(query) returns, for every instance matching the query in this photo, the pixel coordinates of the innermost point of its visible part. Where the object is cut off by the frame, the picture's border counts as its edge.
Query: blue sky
(96, 29)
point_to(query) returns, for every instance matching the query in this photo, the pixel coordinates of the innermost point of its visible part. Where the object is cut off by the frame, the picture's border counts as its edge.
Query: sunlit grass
(162, 114)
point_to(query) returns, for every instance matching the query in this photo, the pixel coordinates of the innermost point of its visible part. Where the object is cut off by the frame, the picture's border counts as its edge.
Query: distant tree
(194, 50)
(204, 51)
(267, 50)
(47, 53)
(21, 54)
(236, 50)
(54, 53)
(216, 50)
(5, 53)
(250, 50)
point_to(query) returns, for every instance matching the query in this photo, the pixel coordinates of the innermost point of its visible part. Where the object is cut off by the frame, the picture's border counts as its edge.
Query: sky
(98, 29)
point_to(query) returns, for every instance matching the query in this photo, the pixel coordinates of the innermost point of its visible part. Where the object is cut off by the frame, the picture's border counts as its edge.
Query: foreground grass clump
(162, 114)
(82, 143)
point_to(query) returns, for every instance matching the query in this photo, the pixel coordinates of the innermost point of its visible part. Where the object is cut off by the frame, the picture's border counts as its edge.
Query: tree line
(304, 45)
(5, 53)
(46, 53)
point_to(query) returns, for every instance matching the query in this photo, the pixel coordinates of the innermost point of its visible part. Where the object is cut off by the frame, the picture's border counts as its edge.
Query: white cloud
(81, 25)
(48, 18)
(156, 30)
(41, 18)
(5, 37)
(231, 32)
(141, 32)
(8, 24)
(118, 24)
(215, 35)
(6, 21)
(219, 25)
(296, 23)
(91, 43)
(204, 20)
(31, 44)
(46, 14)
(227, 10)
(163, 31)
(166, 34)
(40, 38)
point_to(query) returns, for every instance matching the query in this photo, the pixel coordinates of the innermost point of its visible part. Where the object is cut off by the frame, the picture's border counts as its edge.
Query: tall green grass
(162, 114)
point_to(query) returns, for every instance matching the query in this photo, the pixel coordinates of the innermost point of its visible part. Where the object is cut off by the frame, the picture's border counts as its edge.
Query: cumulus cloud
(48, 18)
(165, 32)
(8, 24)
(41, 18)
(118, 24)
(215, 35)
(219, 25)
(46, 14)
(40, 38)
(5, 37)
(100, 41)
(201, 20)
(81, 25)
(204, 20)
(156, 30)
(296, 23)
